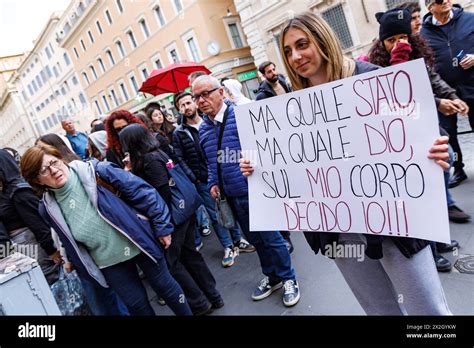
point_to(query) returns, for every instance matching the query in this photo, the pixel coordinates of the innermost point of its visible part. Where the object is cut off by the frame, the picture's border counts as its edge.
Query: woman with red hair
(117, 121)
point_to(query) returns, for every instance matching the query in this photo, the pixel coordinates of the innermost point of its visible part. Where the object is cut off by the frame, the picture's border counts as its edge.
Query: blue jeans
(449, 198)
(102, 301)
(222, 233)
(123, 278)
(274, 257)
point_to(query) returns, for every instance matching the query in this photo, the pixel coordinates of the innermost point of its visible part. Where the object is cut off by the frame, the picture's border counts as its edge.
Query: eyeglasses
(204, 94)
(44, 171)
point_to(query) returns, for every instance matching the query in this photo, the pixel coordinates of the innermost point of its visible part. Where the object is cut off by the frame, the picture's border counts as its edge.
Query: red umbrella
(172, 79)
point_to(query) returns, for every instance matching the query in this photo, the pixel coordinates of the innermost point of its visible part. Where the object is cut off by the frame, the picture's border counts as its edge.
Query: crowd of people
(134, 197)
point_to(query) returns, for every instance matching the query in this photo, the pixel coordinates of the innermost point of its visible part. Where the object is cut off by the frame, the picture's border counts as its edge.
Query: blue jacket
(234, 183)
(446, 45)
(140, 214)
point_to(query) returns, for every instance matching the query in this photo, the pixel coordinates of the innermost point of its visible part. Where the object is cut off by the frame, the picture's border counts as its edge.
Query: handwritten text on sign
(348, 156)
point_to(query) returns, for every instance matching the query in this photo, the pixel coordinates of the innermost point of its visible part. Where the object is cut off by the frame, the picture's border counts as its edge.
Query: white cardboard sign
(348, 156)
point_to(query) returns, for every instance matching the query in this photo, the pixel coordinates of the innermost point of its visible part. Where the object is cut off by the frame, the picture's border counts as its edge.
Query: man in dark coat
(449, 32)
(274, 83)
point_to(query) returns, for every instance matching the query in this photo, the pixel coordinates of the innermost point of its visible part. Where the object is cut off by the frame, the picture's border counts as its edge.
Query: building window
(120, 48)
(59, 67)
(337, 20)
(101, 64)
(106, 103)
(83, 46)
(86, 78)
(51, 48)
(144, 72)
(159, 16)
(177, 5)
(114, 98)
(66, 59)
(131, 39)
(50, 123)
(44, 78)
(93, 72)
(30, 90)
(35, 87)
(158, 63)
(82, 99)
(98, 107)
(174, 56)
(23, 94)
(45, 126)
(40, 84)
(119, 5)
(123, 89)
(109, 17)
(134, 83)
(74, 80)
(193, 49)
(66, 86)
(111, 57)
(143, 25)
(48, 71)
(99, 27)
(76, 53)
(55, 71)
(90, 36)
(48, 53)
(235, 35)
(55, 118)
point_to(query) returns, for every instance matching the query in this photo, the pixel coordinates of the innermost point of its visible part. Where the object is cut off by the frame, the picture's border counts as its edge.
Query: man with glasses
(274, 257)
(449, 32)
(187, 149)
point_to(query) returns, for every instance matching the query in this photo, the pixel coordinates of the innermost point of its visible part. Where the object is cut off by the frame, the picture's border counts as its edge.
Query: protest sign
(348, 156)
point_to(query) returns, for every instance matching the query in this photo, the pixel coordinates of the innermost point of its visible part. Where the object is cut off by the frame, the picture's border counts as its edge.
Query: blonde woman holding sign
(399, 276)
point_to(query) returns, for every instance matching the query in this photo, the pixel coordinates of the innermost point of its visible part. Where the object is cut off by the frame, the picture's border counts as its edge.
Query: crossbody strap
(219, 144)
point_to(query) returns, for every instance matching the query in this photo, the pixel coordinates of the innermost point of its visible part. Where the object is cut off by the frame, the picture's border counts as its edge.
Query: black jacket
(188, 150)
(446, 44)
(4, 237)
(440, 88)
(266, 91)
(19, 205)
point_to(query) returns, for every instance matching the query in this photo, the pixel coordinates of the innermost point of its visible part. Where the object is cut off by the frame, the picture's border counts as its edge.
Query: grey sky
(21, 22)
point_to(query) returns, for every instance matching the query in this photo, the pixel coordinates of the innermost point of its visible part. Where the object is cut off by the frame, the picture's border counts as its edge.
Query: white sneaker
(229, 257)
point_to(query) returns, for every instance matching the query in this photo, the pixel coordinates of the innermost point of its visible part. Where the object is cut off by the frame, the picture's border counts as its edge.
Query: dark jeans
(274, 257)
(103, 301)
(450, 124)
(123, 278)
(189, 268)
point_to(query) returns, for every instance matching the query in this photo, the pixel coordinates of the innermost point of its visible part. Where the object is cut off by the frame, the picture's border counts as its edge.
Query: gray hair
(207, 78)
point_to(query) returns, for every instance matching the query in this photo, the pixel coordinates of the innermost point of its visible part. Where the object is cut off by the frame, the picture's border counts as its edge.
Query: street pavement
(323, 289)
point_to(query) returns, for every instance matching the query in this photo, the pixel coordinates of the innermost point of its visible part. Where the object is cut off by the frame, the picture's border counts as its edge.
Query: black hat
(393, 22)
